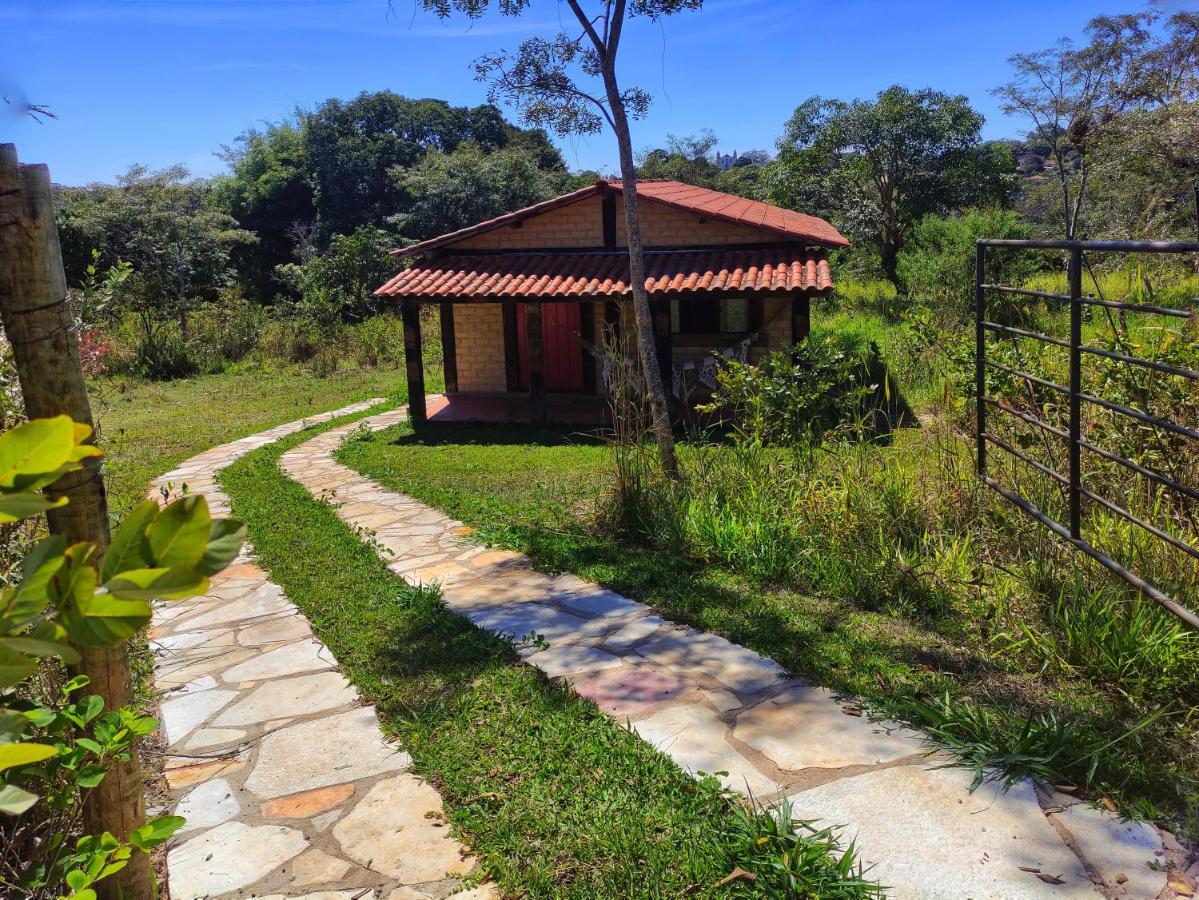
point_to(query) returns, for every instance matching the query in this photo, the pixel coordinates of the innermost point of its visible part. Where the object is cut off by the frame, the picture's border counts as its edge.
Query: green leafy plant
(68, 596)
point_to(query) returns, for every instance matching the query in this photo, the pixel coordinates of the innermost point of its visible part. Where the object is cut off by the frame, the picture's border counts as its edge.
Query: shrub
(821, 388)
(936, 265)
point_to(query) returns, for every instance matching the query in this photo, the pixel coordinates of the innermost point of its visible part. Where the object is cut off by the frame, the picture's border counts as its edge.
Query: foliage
(811, 392)
(68, 596)
(353, 148)
(336, 286)
(269, 191)
(879, 166)
(936, 265)
(38, 856)
(448, 191)
(179, 251)
(1118, 117)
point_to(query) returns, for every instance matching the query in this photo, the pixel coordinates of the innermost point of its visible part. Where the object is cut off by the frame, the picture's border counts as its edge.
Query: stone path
(287, 783)
(716, 707)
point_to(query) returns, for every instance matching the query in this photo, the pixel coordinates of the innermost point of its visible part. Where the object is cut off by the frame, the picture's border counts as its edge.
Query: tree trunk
(646, 347)
(889, 251)
(45, 347)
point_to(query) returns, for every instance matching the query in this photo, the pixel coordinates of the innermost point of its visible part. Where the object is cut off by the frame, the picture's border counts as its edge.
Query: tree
(878, 166)
(448, 191)
(336, 286)
(353, 147)
(541, 79)
(180, 248)
(269, 191)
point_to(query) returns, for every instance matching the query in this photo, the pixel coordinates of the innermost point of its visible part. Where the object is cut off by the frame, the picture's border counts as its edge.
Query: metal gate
(1078, 495)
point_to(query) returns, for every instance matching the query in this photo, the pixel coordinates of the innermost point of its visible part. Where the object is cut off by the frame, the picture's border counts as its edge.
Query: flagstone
(396, 830)
(630, 690)
(695, 738)
(331, 750)
(1118, 849)
(183, 772)
(967, 842)
(171, 673)
(302, 656)
(804, 727)
(211, 803)
(262, 601)
(525, 619)
(314, 866)
(693, 653)
(201, 867)
(307, 804)
(571, 659)
(636, 632)
(287, 629)
(213, 737)
(170, 642)
(296, 696)
(189, 712)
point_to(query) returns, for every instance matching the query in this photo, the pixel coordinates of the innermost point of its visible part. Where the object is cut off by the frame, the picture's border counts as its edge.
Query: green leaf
(155, 832)
(14, 507)
(39, 568)
(14, 667)
(224, 543)
(130, 548)
(179, 536)
(14, 800)
(99, 620)
(36, 453)
(35, 448)
(157, 584)
(23, 754)
(77, 880)
(31, 646)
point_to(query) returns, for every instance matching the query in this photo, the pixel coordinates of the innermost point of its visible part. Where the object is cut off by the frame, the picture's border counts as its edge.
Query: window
(709, 315)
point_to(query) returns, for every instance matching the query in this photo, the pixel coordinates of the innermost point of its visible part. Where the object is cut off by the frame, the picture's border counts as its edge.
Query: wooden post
(587, 345)
(536, 373)
(801, 318)
(45, 346)
(663, 345)
(511, 347)
(414, 363)
(449, 349)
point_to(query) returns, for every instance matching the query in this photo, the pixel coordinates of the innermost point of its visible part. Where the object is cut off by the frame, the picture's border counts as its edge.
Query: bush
(936, 265)
(821, 388)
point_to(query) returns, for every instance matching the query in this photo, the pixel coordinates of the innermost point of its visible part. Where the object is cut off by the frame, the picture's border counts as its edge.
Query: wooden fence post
(41, 330)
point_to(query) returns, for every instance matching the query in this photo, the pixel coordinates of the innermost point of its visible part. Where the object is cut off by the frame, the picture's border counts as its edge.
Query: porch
(495, 406)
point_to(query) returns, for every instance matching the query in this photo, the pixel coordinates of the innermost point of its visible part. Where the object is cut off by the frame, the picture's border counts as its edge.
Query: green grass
(555, 798)
(895, 618)
(147, 428)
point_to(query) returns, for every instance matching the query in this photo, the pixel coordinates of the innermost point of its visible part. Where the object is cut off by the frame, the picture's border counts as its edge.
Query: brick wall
(479, 342)
(577, 225)
(581, 225)
(663, 226)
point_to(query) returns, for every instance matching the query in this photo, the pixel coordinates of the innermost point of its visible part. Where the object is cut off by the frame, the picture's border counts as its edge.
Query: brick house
(525, 297)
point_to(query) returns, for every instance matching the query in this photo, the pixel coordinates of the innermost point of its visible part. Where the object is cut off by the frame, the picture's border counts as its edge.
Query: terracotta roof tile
(465, 277)
(701, 201)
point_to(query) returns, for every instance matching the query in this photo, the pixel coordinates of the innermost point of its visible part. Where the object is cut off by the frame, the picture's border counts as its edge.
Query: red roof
(774, 220)
(785, 268)
(730, 208)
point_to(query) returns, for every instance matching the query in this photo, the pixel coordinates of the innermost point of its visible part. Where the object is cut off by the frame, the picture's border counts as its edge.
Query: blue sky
(166, 81)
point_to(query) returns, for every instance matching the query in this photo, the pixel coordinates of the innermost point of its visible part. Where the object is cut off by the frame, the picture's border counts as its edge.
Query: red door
(561, 353)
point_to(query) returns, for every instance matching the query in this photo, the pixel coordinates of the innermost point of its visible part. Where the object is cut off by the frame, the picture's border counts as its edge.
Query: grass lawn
(147, 428)
(555, 798)
(536, 490)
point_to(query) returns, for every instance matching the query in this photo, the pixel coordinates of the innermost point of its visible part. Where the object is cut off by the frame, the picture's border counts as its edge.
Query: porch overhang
(604, 274)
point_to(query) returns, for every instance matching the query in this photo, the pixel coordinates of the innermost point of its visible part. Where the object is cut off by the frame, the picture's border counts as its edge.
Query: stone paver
(717, 707)
(289, 788)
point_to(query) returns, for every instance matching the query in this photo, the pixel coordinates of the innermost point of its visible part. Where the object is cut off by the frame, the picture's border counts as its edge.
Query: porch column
(801, 318)
(536, 373)
(414, 363)
(663, 344)
(449, 348)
